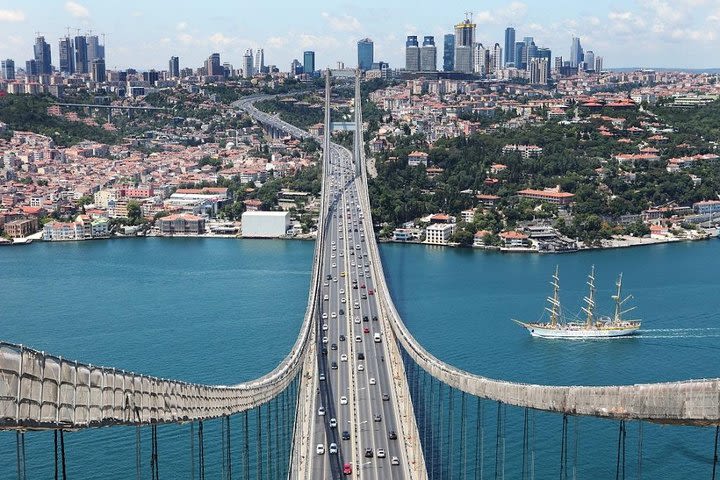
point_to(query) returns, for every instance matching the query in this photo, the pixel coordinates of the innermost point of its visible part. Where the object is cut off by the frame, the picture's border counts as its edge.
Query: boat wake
(709, 332)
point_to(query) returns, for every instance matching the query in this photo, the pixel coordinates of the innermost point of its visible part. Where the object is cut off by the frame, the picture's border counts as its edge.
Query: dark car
(365, 318)
(385, 397)
(333, 346)
(377, 417)
(368, 453)
(342, 338)
(361, 356)
(346, 435)
(324, 350)
(374, 318)
(333, 365)
(392, 435)
(342, 312)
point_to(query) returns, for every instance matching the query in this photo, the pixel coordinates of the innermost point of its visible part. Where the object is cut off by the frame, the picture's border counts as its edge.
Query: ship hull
(579, 332)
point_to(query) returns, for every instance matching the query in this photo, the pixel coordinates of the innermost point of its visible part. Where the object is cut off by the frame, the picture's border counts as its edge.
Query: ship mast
(590, 300)
(554, 301)
(619, 301)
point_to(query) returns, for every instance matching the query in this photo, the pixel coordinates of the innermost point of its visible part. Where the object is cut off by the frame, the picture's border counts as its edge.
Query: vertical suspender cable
(576, 435)
(563, 448)
(258, 442)
(223, 439)
(62, 454)
(229, 450)
(715, 455)
(525, 445)
(451, 432)
(201, 451)
(56, 455)
(463, 444)
(620, 452)
(479, 441)
(441, 447)
(268, 445)
(640, 450)
(497, 440)
(192, 450)
(138, 454)
(246, 448)
(17, 454)
(432, 428)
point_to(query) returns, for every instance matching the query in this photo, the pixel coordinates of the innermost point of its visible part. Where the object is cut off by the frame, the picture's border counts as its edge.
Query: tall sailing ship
(592, 327)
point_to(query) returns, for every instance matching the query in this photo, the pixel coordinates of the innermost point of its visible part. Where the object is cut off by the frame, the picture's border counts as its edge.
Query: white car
(333, 315)
(342, 300)
(326, 298)
(324, 316)
(395, 461)
(326, 284)
(324, 339)
(358, 338)
(357, 319)
(343, 357)
(321, 411)
(342, 291)
(372, 380)
(332, 256)
(333, 448)
(361, 367)
(380, 452)
(333, 423)
(334, 265)
(320, 449)
(343, 400)
(357, 305)
(325, 326)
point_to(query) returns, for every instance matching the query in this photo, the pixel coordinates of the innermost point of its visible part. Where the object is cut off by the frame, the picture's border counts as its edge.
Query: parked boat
(592, 327)
(15, 241)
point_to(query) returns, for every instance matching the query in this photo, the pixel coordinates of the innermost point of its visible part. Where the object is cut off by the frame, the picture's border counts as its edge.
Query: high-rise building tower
(538, 71)
(212, 65)
(576, 52)
(309, 62)
(497, 58)
(598, 64)
(589, 60)
(42, 56)
(509, 46)
(94, 49)
(464, 41)
(412, 54)
(31, 67)
(481, 59)
(8, 69)
(247, 64)
(529, 51)
(428, 54)
(259, 60)
(174, 67)
(365, 54)
(546, 53)
(67, 56)
(98, 70)
(449, 52)
(82, 64)
(520, 55)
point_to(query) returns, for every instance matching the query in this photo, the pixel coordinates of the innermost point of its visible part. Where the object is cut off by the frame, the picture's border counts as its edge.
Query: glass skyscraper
(365, 54)
(509, 45)
(449, 53)
(309, 62)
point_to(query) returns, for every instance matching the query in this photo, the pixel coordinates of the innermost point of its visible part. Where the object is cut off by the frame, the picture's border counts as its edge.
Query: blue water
(224, 311)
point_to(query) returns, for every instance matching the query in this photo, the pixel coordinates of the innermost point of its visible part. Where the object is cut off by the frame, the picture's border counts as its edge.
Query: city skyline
(664, 35)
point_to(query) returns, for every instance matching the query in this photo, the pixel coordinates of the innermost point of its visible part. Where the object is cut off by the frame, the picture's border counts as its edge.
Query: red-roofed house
(550, 195)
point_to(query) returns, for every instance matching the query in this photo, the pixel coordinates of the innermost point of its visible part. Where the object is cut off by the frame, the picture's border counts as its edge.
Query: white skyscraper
(247, 64)
(481, 59)
(259, 60)
(497, 58)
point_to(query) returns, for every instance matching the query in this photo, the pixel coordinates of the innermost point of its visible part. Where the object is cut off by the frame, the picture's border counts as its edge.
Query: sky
(143, 34)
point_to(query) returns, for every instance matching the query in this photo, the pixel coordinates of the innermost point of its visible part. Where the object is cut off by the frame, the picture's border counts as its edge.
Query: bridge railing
(39, 390)
(691, 402)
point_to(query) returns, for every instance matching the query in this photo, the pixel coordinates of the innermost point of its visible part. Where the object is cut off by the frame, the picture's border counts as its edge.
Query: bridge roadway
(43, 391)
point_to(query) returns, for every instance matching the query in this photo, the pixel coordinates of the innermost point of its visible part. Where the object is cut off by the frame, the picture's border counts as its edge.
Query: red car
(347, 469)
(366, 330)
(370, 291)
(362, 286)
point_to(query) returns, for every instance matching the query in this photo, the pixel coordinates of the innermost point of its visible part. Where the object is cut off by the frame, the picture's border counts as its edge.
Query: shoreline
(615, 243)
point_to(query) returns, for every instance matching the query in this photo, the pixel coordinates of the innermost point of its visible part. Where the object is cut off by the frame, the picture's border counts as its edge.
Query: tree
(134, 212)
(463, 238)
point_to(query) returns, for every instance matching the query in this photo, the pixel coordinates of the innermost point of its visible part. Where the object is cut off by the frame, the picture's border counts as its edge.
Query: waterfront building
(8, 69)
(403, 235)
(43, 58)
(439, 233)
(707, 207)
(181, 224)
(468, 215)
(464, 41)
(365, 54)
(309, 62)
(67, 56)
(21, 228)
(412, 54)
(449, 52)
(428, 55)
(513, 239)
(174, 67)
(265, 224)
(509, 46)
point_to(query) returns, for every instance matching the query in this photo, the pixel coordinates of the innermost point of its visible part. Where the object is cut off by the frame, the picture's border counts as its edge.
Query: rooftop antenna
(68, 31)
(468, 16)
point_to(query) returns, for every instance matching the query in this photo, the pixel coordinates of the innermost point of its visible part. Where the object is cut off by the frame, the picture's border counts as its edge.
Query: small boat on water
(592, 326)
(15, 241)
